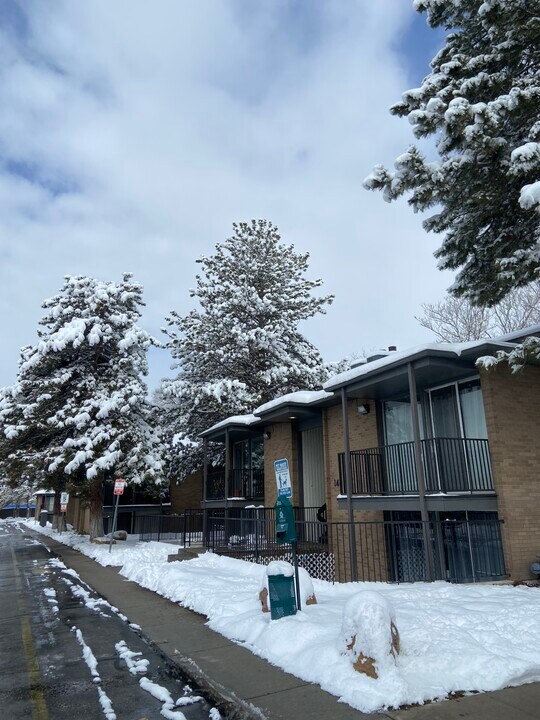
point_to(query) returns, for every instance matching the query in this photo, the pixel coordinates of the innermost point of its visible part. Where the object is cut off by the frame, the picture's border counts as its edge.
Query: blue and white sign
(283, 478)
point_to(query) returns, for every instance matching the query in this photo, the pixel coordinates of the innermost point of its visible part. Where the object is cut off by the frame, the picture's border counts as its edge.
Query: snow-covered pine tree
(81, 393)
(242, 346)
(26, 442)
(481, 103)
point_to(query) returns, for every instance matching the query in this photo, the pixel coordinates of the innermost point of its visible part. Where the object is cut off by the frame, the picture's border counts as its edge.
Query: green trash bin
(282, 596)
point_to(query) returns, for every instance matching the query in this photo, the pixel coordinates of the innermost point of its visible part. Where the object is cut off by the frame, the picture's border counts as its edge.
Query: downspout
(348, 484)
(430, 574)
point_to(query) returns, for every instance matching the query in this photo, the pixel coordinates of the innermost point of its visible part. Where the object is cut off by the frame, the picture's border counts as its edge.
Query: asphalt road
(59, 658)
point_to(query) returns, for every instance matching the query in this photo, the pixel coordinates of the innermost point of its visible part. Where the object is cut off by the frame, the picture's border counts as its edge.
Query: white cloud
(132, 136)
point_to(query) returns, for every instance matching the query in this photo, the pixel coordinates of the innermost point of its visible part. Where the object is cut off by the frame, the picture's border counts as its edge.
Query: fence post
(428, 548)
(256, 536)
(348, 483)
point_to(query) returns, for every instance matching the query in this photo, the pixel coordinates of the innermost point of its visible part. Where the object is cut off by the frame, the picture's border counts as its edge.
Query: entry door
(313, 468)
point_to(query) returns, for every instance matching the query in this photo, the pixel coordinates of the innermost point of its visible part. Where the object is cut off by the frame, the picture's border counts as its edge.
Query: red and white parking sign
(119, 486)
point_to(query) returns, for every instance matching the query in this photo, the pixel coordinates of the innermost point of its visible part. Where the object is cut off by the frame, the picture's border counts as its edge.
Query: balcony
(243, 485)
(451, 465)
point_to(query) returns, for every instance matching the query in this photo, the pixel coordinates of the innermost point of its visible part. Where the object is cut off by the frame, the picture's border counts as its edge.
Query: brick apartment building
(446, 487)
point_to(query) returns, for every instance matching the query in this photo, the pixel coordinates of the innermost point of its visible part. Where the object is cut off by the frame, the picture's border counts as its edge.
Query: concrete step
(187, 553)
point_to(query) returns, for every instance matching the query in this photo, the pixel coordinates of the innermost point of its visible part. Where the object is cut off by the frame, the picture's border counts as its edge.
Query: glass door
(397, 456)
(475, 433)
(448, 439)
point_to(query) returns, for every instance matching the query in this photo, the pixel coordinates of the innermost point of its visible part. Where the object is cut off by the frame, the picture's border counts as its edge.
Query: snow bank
(121, 550)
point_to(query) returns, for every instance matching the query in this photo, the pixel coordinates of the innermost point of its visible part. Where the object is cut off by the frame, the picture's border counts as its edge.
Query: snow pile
(88, 655)
(106, 704)
(164, 696)
(279, 567)
(134, 660)
(50, 594)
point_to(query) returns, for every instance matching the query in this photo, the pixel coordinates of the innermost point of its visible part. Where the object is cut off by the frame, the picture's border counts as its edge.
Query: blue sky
(131, 140)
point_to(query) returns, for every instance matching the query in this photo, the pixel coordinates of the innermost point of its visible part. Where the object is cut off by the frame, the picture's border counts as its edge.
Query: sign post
(119, 486)
(286, 533)
(64, 499)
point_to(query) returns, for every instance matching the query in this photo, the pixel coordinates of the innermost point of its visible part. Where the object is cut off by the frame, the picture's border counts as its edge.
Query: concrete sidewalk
(235, 675)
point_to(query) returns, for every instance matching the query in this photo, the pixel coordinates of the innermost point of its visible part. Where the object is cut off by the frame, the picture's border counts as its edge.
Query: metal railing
(394, 551)
(450, 465)
(253, 530)
(186, 527)
(245, 484)
(468, 550)
(250, 534)
(387, 551)
(215, 485)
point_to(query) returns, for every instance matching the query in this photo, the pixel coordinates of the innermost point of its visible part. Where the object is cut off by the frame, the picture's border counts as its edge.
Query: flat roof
(444, 351)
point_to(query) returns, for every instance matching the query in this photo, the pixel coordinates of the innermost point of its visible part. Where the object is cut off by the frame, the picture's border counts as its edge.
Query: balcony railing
(243, 484)
(450, 465)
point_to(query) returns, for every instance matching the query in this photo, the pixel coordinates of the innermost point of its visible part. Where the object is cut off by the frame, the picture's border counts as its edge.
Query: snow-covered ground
(121, 551)
(453, 637)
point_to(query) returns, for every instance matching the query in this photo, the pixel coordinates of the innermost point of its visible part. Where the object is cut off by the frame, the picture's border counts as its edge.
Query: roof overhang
(431, 367)
(296, 411)
(237, 431)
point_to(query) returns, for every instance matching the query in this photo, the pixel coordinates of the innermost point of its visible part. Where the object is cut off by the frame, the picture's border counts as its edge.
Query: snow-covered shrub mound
(369, 634)
(281, 567)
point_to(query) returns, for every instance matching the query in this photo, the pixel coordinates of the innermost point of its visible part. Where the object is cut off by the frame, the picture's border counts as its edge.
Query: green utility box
(285, 524)
(281, 596)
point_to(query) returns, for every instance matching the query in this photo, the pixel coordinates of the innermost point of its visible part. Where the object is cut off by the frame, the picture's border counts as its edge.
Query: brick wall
(512, 407)
(188, 494)
(282, 443)
(371, 549)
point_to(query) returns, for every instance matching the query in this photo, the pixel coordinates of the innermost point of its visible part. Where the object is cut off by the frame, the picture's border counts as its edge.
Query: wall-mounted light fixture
(363, 409)
(292, 417)
(267, 435)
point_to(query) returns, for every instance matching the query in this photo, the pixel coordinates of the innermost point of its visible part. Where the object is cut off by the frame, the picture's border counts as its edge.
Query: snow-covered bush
(369, 634)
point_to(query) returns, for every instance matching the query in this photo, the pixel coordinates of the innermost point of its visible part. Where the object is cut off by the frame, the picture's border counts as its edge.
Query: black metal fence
(387, 551)
(394, 551)
(468, 550)
(450, 465)
(186, 527)
(250, 534)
